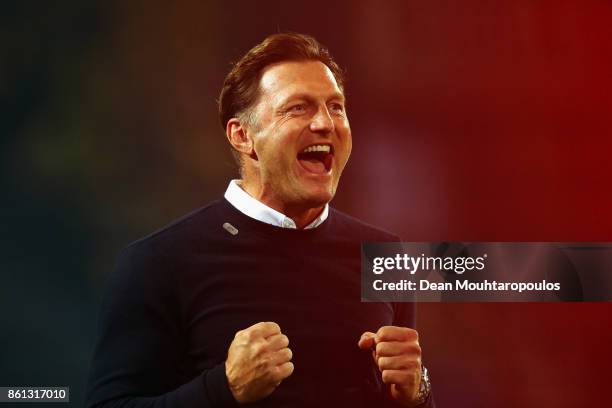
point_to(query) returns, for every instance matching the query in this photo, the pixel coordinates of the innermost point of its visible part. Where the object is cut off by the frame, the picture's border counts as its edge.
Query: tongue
(313, 165)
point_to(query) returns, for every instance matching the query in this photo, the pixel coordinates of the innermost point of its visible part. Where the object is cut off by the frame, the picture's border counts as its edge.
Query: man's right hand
(257, 361)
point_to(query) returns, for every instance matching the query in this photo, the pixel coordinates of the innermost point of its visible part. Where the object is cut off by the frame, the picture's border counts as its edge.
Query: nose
(322, 122)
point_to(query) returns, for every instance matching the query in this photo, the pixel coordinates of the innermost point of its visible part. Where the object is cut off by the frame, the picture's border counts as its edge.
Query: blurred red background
(472, 121)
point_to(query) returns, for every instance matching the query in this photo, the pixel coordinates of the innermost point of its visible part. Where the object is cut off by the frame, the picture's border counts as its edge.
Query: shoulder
(179, 235)
(345, 224)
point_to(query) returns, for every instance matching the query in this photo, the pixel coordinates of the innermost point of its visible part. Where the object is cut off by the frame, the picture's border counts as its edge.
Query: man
(255, 299)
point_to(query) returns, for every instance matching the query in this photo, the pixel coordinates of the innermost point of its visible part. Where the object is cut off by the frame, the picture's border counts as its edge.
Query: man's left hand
(397, 354)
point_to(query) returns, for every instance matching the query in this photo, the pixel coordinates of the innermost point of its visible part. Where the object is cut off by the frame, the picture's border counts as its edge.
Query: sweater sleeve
(139, 346)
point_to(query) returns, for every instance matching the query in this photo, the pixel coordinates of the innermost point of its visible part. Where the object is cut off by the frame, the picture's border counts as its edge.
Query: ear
(240, 138)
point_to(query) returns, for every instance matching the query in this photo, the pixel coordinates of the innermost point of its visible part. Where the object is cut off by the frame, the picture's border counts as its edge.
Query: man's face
(301, 138)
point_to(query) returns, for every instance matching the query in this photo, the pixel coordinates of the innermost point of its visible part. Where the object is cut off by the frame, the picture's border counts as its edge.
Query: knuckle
(408, 332)
(384, 330)
(413, 348)
(398, 331)
(267, 368)
(277, 373)
(264, 363)
(256, 327)
(412, 364)
(383, 362)
(387, 377)
(259, 348)
(278, 341)
(417, 349)
(247, 335)
(254, 334)
(273, 326)
(271, 363)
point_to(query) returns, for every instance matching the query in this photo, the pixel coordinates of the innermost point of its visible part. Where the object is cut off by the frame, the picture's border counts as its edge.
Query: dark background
(472, 121)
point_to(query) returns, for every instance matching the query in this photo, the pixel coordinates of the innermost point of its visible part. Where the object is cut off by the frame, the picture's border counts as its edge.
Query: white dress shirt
(254, 208)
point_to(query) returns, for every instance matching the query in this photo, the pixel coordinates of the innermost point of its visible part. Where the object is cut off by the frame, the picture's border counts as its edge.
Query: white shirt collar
(254, 208)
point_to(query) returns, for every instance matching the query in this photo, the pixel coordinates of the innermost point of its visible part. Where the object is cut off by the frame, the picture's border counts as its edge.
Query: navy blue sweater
(177, 297)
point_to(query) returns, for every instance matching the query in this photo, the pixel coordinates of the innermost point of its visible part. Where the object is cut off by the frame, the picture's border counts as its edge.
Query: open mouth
(317, 158)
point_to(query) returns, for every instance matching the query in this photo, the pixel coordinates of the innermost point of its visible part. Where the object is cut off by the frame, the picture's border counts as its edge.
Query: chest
(312, 292)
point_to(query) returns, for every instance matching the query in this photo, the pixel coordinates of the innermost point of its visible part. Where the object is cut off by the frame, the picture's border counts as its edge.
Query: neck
(301, 215)
(302, 219)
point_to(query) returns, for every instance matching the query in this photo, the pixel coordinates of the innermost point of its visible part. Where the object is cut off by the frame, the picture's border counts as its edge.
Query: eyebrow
(309, 98)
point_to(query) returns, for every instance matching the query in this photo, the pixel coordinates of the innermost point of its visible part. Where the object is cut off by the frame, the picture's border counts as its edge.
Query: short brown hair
(241, 85)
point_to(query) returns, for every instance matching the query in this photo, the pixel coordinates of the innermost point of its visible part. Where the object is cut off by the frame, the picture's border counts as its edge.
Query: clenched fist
(257, 361)
(397, 354)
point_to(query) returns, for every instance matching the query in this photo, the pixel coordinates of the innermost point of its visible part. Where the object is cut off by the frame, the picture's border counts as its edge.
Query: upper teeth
(317, 148)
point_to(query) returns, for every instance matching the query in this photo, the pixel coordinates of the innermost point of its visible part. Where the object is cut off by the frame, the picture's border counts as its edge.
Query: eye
(299, 108)
(336, 107)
